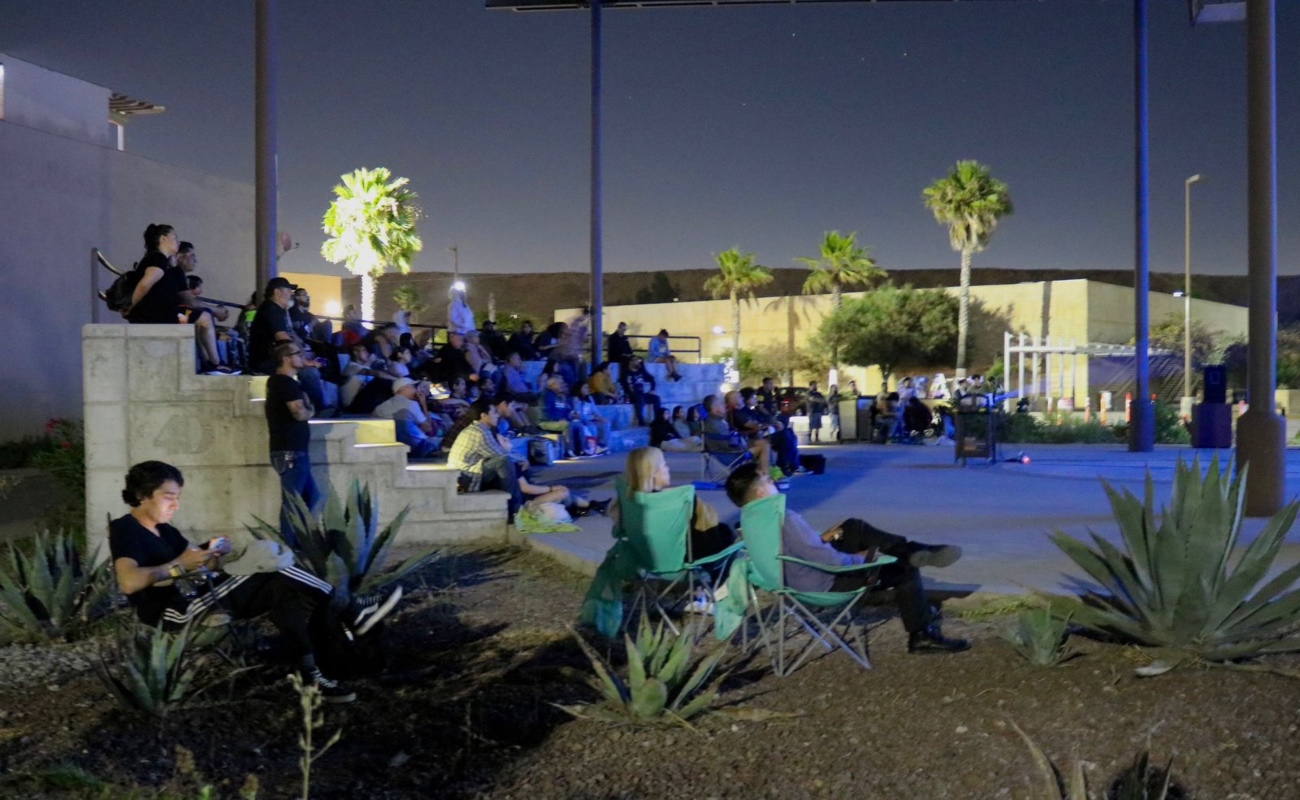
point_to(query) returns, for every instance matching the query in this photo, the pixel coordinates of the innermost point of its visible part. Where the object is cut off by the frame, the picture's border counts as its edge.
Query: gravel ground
(481, 654)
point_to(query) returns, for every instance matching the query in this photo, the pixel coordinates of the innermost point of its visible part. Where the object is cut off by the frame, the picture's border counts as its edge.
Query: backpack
(119, 294)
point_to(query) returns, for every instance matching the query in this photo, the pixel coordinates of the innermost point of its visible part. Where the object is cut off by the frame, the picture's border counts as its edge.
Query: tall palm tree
(739, 274)
(970, 201)
(372, 228)
(842, 263)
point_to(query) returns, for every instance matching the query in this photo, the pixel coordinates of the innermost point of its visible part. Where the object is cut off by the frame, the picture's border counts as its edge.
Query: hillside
(536, 296)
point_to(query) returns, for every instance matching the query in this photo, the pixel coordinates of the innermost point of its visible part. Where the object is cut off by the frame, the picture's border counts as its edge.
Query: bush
(50, 589)
(148, 670)
(18, 453)
(1139, 781)
(1055, 428)
(1172, 585)
(1041, 637)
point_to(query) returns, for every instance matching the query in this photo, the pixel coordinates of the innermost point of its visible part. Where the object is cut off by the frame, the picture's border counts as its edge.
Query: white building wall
(59, 198)
(50, 101)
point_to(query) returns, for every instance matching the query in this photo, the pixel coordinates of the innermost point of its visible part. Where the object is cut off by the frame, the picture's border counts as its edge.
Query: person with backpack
(160, 286)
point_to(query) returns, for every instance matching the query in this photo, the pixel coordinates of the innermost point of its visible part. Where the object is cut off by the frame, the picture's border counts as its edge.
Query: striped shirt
(472, 447)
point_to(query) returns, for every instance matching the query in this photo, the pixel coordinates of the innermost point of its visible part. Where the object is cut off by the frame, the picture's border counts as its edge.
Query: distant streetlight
(455, 269)
(1187, 296)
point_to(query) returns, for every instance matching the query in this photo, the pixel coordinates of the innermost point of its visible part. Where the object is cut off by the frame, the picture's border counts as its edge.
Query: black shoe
(331, 691)
(600, 507)
(932, 640)
(365, 612)
(935, 555)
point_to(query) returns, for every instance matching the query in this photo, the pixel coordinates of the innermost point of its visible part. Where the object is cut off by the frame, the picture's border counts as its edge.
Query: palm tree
(970, 201)
(739, 275)
(842, 263)
(372, 228)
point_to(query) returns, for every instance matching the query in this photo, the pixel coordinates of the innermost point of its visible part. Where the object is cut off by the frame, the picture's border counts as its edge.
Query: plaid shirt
(472, 447)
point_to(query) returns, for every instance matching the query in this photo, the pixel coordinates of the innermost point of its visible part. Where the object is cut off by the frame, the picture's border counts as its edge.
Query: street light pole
(1187, 295)
(455, 264)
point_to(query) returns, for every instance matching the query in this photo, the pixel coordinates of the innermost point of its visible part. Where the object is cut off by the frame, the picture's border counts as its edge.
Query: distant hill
(535, 296)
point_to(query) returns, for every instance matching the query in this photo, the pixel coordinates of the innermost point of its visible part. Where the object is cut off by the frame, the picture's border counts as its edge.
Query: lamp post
(455, 269)
(1187, 296)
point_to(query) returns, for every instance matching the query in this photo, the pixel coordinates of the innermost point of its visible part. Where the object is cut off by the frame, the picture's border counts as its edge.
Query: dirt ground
(481, 654)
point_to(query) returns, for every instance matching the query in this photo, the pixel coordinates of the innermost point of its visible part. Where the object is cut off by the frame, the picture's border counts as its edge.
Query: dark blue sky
(757, 127)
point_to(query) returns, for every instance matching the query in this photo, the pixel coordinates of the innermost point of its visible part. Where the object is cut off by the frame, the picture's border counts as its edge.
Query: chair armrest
(732, 550)
(879, 562)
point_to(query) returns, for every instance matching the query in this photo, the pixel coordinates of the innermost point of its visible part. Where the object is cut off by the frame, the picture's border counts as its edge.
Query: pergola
(1261, 435)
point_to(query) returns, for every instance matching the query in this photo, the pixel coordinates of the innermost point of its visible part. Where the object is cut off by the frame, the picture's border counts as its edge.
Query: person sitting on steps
(152, 560)
(661, 352)
(852, 542)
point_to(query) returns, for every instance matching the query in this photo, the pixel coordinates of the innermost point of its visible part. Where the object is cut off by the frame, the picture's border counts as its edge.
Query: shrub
(1169, 426)
(1040, 636)
(1140, 781)
(148, 669)
(50, 589)
(344, 545)
(1055, 428)
(18, 453)
(661, 683)
(1171, 586)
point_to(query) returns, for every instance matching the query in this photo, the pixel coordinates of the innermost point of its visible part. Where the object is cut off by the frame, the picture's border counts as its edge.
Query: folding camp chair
(656, 527)
(760, 525)
(716, 466)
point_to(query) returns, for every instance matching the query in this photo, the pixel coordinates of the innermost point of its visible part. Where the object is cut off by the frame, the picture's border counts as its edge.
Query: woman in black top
(174, 583)
(158, 296)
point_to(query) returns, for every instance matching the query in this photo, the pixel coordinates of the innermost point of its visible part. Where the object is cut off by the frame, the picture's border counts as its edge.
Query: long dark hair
(154, 234)
(146, 478)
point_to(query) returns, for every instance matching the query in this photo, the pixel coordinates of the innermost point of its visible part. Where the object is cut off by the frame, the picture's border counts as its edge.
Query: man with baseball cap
(410, 414)
(273, 326)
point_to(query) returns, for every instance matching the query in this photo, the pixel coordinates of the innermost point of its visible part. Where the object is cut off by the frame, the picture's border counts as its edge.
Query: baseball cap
(402, 383)
(280, 283)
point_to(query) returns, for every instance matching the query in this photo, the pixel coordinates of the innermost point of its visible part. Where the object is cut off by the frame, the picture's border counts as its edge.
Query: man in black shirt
(618, 349)
(300, 315)
(494, 341)
(522, 342)
(173, 583)
(273, 326)
(639, 386)
(287, 410)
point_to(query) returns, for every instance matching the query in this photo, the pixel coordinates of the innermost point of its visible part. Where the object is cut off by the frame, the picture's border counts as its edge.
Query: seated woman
(455, 404)
(647, 471)
(549, 370)
(592, 423)
(665, 435)
(604, 389)
(151, 560)
(694, 421)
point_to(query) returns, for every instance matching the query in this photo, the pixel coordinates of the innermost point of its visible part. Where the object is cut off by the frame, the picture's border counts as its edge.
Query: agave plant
(149, 670)
(1140, 781)
(1040, 636)
(1172, 585)
(662, 684)
(344, 545)
(50, 590)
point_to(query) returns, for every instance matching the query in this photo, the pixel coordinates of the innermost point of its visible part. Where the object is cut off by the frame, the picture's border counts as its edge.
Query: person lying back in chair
(853, 542)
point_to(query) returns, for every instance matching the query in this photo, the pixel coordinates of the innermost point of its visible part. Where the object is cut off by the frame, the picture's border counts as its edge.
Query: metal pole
(1187, 290)
(1261, 434)
(1020, 377)
(597, 268)
(1142, 432)
(1006, 370)
(266, 169)
(455, 264)
(1034, 369)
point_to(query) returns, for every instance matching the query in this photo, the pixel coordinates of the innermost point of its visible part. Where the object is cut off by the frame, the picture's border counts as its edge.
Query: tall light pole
(1187, 294)
(455, 264)
(266, 172)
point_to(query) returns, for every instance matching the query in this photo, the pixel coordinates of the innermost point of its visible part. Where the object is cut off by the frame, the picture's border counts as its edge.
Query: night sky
(757, 127)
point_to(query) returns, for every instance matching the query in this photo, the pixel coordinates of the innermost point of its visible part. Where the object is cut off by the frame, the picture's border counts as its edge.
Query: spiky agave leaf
(1048, 785)
(606, 682)
(649, 699)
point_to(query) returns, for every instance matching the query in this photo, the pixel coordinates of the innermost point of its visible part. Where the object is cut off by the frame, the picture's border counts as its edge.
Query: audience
(617, 348)
(288, 408)
(479, 357)
(559, 417)
(665, 434)
(661, 352)
(755, 421)
(604, 390)
(538, 496)
(494, 341)
(638, 387)
(855, 541)
(522, 342)
(548, 340)
(352, 331)
(595, 428)
(815, 403)
(719, 437)
(484, 460)
(360, 373)
(409, 410)
(271, 327)
(514, 380)
(304, 322)
(159, 295)
(450, 362)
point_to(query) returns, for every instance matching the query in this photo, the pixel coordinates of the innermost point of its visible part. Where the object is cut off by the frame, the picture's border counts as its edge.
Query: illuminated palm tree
(842, 263)
(372, 228)
(739, 274)
(970, 201)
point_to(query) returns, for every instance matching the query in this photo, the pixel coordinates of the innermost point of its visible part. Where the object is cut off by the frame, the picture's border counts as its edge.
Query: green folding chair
(760, 525)
(656, 528)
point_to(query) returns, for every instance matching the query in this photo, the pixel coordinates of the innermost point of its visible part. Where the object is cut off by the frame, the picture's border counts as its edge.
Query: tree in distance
(739, 274)
(894, 328)
(371, 225)
(970, 201)
(660, 290)
(842, 263)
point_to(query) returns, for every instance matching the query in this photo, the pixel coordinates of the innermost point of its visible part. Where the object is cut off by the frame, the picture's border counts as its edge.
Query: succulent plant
(1174, 584)
(148, 669)
(1041, 637)
(50, 589)
(1140, 781)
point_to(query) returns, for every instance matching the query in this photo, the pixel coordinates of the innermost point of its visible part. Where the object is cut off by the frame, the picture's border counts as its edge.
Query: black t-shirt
(163, 300)
(127, 538)
(287, 433)
(270, 320)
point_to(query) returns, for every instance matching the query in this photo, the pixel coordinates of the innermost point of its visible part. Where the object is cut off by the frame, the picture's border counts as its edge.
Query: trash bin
(976, 422)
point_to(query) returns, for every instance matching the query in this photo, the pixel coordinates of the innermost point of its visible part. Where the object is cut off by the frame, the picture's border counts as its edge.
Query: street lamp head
(1193, 179)
(1178, 294)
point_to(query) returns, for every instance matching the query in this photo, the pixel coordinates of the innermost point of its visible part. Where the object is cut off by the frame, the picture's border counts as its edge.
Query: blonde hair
(642, 465)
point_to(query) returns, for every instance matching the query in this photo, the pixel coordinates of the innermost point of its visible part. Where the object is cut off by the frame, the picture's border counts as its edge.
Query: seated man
(522, 342)
(559, 417)
(514, 380)
(507, 413)
(720, 438)
(661, 352)
(751, 418)
(638, 387)
(450, 362)
(151, 560)
(494, 341)
(272, 326)
(410, 413)
(852, 542)
(359, 381)
(885, 417)
(484, 459)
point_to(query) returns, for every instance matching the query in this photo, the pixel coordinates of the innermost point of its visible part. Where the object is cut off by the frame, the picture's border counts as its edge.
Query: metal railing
(698, 352)
(98, 259)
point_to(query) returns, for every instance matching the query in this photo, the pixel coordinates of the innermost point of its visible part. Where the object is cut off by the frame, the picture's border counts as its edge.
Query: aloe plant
(344, 545)
(1173, 584)
(1041, 637)
(51, 589)
(1140, 781)
(663, 682)
(148, 669)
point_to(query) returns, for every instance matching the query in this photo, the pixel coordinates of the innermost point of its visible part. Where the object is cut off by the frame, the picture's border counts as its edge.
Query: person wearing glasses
(288, 408)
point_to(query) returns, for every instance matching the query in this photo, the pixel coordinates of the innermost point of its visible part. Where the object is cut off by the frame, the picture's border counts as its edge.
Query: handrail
(698, 351)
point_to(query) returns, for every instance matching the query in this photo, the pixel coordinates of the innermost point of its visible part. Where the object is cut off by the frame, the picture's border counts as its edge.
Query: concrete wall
(50, 101)
(59, 198)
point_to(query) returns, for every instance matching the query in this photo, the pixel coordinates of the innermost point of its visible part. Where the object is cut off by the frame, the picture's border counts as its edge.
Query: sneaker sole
(382, 611)
(943, 557)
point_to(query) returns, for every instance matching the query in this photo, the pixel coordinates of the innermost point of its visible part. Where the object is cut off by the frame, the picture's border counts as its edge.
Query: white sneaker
(700, 605)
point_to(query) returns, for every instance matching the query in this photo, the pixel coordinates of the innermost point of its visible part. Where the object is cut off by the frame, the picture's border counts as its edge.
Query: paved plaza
(999, 514)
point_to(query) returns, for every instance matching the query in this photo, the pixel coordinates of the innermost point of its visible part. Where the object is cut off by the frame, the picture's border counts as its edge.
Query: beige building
(1064, 313)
